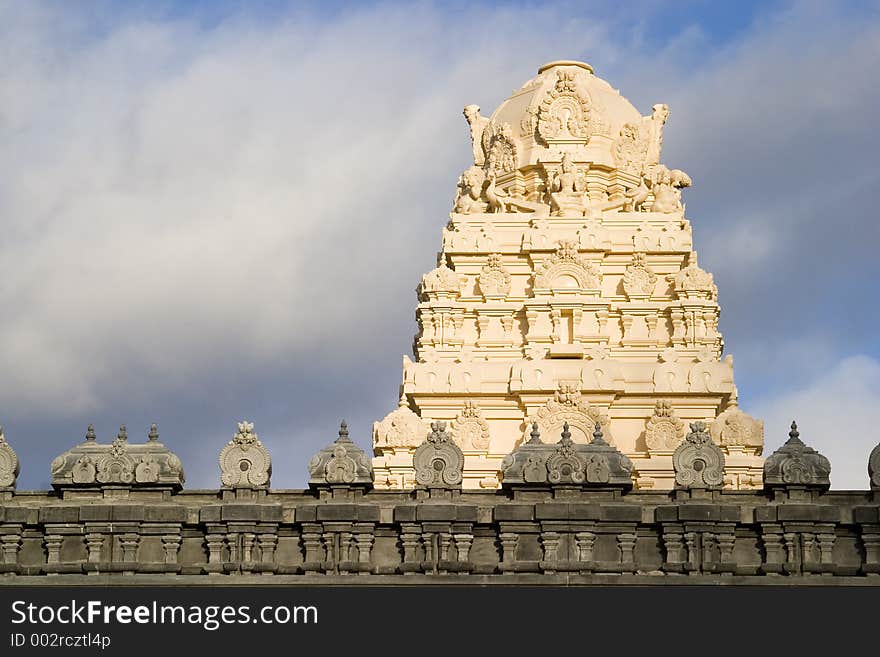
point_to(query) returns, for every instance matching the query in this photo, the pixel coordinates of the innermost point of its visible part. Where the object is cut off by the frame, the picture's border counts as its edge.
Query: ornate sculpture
(567, 189)
(733, 427)
(477, 125)
(567, 270)
(630, 149)
(499, 145)
(874, 468)
(652, 127)
(692, 282)
(666, 185)
(118, 464)
(244, 461)
(470, 429)
(438, 461)
(663, 431)
(567, 463)
(400, 428)
(341, 463)
(795, 464)
(567, 407)
(494, 279)
(442, 282)
(9, 465)
(565, 109)
(639, 279)
(470, 198)
(698, 462)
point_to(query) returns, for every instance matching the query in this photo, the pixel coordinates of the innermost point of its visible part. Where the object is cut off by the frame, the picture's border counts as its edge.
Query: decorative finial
(597, 433)
(403, 403)
(154, 432)
(794, 434)
(122, 435)
(343, 432)
(566, 434)
(535, 434)
(90, 433)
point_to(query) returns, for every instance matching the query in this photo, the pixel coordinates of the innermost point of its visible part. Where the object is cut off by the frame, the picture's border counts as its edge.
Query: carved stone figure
(470, 429)
(795, 464)
(400, 428)
(639, 279)
(663, 431)
(567, 270)
(469, 198)
(9, 466)
(494, 280)
(340, 463)
(874, 468)
(244, 461)
(565, 109)
(733, 427)
(698, 462)
(438, 461)
(477, 125)
(567, 189)
(666, 186)
(567, 406)
(653, 130)
(119, 464)
(692, 282)
(442, 282)
(500, 148)
(630, 149)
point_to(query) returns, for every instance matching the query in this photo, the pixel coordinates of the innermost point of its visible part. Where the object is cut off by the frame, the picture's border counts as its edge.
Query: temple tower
(568, 290)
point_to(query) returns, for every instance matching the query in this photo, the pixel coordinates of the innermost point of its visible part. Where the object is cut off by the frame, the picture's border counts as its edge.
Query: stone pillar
(247, 546)
(364, 542)
(550, 544)
(94, 544)
(53, 548)
(11, 544)
(314, 550)
(463, 544)
(871, 543)
(674, 548)
(409, 538)
(771, 538)
(171, 546)
(267, 542)
(626, 544)
(726, 543)
(508, 551)
(215, 548)
(129, 545)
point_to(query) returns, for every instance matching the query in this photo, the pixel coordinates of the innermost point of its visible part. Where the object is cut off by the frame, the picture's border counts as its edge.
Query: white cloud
(838, 414)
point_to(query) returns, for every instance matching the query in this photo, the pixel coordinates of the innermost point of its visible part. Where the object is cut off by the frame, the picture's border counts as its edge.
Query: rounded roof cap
(565, 62)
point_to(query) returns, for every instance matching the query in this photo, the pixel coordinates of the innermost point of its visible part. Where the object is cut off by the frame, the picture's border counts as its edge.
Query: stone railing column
(11, 544)
(626, 544)
(509, 541)
(550, 544)
(171, 546)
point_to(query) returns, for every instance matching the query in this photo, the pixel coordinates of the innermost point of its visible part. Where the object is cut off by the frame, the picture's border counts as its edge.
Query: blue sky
(214, 211)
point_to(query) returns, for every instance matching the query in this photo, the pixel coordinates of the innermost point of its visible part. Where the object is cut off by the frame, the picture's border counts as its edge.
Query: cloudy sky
(213, 211)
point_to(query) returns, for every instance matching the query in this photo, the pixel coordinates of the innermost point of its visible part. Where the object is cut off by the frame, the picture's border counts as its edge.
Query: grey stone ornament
(438, 461)
(874, 468)
(93, 464)
(244, 460)
(342, 463)
(796, 464)
(567, 463)
(698, 462)
(9, 465)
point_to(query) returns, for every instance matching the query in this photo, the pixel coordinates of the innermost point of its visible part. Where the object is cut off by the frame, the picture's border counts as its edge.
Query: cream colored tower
(568, 290)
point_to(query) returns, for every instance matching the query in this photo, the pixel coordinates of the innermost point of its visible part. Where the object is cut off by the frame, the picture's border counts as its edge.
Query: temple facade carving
(568, 290)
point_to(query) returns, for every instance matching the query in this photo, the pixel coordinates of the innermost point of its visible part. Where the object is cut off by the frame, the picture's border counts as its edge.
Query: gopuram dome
(567, 292)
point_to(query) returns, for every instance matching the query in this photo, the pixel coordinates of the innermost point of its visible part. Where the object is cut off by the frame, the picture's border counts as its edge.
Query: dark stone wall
(348, 535)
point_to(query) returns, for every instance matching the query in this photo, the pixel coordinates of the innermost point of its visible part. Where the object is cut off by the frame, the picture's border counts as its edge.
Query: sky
(216, 211)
